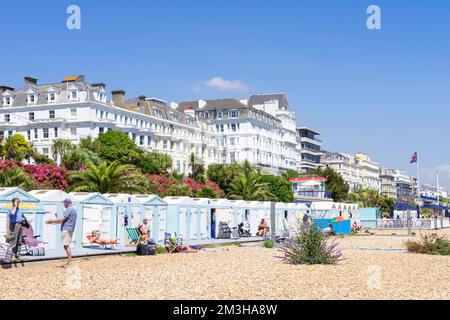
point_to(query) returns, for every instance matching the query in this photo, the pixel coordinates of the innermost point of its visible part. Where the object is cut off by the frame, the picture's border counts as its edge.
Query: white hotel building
(357, 170)
(261, 129)
(73, 109)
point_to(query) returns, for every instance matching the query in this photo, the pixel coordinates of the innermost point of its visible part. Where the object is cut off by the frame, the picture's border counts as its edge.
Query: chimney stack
(31, 80)
(118, 97)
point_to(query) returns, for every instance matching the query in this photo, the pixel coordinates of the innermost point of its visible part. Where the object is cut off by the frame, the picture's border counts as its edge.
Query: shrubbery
(433, 245)
(309, 246)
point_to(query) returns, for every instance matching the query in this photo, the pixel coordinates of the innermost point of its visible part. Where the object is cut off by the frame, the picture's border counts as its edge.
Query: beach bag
(151, 250)
(141, 250)
(6, 253)
(37, 252)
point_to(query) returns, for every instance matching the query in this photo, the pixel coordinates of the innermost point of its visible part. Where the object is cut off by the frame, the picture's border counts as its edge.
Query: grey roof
(264, 98)
(219, 104)
(20, 95)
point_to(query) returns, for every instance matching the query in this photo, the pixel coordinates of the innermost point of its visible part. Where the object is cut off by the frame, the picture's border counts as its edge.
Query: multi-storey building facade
(388, 185)
(369, 172)
(310, 149)
(346, 165)
(73, 109)
(260, 130)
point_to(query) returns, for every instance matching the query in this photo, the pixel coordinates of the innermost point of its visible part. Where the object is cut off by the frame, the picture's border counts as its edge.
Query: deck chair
(33, 246)
(224, 231)
(172, 244)
(134, 234)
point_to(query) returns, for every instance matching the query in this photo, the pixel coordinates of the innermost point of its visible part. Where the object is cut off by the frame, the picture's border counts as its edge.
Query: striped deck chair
(134, 234)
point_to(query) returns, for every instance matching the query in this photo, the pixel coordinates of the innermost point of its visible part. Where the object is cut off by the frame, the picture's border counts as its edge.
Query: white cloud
(221, 84)
(429, 175)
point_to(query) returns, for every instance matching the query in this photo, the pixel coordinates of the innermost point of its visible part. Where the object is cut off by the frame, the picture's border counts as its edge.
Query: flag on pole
(414, 158)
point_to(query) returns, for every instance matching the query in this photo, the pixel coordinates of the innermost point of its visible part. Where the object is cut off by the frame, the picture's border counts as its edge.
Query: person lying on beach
(95, 238)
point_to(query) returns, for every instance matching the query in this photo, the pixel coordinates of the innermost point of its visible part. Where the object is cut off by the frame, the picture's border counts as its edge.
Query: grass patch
(268, 244)
(432, 245)
(130, 254)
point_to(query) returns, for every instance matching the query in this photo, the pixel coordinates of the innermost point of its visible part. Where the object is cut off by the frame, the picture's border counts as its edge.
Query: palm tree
(249, 188)
(14, 177)
(109, 178)
(60, 147)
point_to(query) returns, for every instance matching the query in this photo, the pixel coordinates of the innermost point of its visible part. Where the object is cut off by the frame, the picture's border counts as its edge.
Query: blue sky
(384, 92)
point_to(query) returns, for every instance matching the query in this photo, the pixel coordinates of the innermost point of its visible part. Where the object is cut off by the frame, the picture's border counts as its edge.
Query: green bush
(160, 249)
(268, 244)
(310, 247)
(432, 245)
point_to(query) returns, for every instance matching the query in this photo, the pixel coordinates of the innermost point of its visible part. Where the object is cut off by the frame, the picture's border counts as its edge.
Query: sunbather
(95, 238)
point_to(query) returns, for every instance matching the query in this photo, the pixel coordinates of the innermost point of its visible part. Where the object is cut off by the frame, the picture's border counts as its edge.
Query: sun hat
(68, 201)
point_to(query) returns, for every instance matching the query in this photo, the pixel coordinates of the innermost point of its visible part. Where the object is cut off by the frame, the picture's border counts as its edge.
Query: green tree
(279, 187)
(117, 146)
(78, 158)
(15, 177)
(89, 144)
(335, 184)
(218, 173)
(60, 147)
(155, 163)
(16, 148)
(198, 170)
(290, 174)
(250, 188)
(108, 178)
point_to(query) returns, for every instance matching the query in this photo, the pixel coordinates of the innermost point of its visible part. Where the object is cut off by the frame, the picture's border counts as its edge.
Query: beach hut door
(120, 223)
(49, 234)
(161, 223)
(91, 221)
(203, 224)
(182, 224)
(193, 225)
(105, 227)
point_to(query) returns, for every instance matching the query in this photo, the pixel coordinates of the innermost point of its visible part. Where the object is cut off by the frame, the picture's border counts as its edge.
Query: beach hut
(127, 213)
(52, 204)
(369, 217)
(289, 216)
(221, 211)
(258, 210)
(29, 205)
(155, 210)
(188, 217)
(341, 215)
(96, 213)
(241, 211)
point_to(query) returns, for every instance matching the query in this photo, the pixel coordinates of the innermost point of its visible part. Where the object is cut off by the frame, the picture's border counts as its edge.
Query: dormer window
(7, 101)
(32, 98)
(74, 95)
(233, 114)
(52, 97)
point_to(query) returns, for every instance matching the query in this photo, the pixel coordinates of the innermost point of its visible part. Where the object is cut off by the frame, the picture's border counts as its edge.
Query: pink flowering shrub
(164, 187)
(48, 176)
(43, 176)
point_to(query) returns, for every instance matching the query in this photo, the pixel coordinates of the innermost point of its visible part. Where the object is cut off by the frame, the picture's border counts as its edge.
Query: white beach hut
(96, 212)
(127, 213)
(155, 210)
(52, 203)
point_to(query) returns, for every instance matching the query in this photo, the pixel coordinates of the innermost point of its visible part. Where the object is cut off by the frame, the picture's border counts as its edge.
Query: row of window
(232, 114)
(31, 115)
(51, 98)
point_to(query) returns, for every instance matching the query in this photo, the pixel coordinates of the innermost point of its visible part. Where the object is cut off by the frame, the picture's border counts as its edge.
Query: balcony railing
(312, 194)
